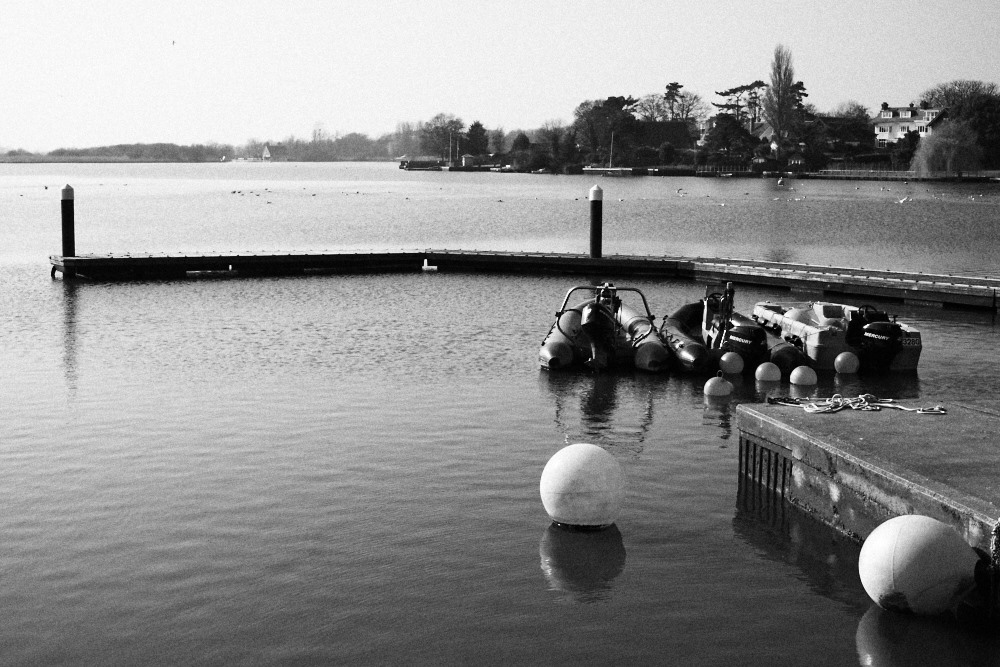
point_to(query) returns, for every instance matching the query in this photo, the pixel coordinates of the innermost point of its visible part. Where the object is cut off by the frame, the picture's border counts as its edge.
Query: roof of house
(942, 115)
(920, 112)
(762, 130)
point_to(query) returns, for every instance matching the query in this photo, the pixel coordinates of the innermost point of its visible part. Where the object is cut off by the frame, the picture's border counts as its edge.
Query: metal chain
(864, 402)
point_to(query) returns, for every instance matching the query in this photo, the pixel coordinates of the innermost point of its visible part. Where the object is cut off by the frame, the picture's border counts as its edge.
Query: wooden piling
(68, 229)
(596, 222)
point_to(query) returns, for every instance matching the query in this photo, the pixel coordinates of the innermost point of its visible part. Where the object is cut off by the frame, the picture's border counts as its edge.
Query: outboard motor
(598, 323)
(749, 341)
(880, 342)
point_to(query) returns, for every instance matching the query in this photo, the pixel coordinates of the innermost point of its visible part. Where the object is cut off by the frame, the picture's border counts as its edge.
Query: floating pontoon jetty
(962, 292)
(918, 288)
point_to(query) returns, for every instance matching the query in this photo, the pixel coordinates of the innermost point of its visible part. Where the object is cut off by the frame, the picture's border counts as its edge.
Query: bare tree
(652, 107)
(691, 106)
(851, 109)
(955, 93)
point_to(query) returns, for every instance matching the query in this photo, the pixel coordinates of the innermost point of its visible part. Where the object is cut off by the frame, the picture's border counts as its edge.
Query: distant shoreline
(122, 159)
(674, 171)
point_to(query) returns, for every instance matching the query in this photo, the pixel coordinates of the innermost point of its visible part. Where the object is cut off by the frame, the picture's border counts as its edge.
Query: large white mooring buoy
(918, 564)
(582, 485)
(803, 376)
(718, 386)
(846, 363)
(731, 362)
(768, 372)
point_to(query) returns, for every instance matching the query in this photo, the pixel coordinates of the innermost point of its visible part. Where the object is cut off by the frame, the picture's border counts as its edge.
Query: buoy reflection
(719, 411)
(802, 391)
(582, 563)
(888, 638)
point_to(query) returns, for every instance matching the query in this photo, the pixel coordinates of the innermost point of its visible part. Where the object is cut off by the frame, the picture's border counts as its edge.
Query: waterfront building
(893, 123)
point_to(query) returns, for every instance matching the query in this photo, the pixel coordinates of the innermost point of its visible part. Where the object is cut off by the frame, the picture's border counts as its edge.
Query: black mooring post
(68, 231)
(596, 214)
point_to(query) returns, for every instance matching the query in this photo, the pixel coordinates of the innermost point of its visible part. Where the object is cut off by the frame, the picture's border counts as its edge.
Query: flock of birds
(680, 192)
(266, 192)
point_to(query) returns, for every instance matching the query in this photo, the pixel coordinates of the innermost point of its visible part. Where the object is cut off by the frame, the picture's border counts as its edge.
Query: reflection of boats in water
(699, 333)
(583, 563)
(603, 332)
(824, 330)
(612, 410)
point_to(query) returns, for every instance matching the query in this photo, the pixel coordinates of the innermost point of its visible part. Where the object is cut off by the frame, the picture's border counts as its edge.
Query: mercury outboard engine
(880, 342)
(598, 321)
(876, 339)
(749, 340)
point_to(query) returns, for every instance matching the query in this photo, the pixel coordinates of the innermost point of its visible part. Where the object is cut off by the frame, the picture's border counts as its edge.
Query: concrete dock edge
(851, 489)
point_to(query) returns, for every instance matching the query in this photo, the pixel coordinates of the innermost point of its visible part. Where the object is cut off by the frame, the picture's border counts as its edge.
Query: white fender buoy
(847, 363)
(731, 362)
(918, 564)
(768, 372)
(803, 375)
(718, 386)
(582, 485)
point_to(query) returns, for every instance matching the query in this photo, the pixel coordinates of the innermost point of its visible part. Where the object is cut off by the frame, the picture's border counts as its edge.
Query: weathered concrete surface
(854, 469)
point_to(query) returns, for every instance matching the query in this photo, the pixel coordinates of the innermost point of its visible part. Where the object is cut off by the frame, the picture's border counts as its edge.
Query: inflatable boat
(603, 332)
(699, 333)
(681, 333)
(823, 330)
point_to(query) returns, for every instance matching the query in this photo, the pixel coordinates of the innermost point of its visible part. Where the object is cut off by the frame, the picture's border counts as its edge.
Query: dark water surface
(344, 469)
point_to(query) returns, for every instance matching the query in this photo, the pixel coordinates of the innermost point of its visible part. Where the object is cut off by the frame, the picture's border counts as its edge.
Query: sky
(76, 74)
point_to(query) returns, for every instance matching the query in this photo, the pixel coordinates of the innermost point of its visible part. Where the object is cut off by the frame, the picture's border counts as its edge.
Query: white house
(892, 123)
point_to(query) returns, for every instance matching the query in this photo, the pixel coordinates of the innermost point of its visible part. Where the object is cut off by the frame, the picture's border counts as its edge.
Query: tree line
(967, 140)
(667, 128)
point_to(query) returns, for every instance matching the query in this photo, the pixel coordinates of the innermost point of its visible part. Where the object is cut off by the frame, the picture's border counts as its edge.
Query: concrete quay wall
(853, 470)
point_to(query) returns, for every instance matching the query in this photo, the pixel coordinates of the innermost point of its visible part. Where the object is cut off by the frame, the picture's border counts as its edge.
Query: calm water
(344, 469)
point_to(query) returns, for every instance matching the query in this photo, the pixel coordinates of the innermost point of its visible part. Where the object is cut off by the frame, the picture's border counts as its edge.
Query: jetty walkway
(919, 288)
